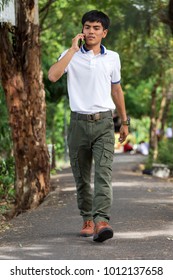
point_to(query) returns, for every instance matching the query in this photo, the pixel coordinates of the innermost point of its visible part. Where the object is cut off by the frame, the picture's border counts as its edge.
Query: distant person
(143, 148)
(169, 133)
(93, 77)
(127, 147)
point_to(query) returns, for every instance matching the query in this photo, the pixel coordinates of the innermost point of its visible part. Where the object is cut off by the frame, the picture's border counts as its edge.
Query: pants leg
(103, 151)
(81, 161)
(89, 140)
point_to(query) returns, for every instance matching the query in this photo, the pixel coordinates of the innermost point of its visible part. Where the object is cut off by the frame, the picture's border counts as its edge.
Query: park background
(34, 113)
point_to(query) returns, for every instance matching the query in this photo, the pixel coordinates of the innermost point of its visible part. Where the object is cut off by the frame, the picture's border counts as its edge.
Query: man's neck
(96, 49)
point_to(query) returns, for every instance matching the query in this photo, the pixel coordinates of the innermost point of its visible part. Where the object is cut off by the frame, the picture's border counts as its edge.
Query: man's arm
(118, 99)
(57, 69)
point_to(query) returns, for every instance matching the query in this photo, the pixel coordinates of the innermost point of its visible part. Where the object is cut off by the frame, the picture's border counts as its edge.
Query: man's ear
(105, 32)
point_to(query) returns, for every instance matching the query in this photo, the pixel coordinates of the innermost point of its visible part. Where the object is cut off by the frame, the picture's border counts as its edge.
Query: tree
(21, 78)
(140, 39)
(166, 15)
(148, 46)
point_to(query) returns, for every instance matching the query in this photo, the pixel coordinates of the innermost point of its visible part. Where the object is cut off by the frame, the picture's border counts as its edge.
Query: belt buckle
(93, 117)
(90, 118)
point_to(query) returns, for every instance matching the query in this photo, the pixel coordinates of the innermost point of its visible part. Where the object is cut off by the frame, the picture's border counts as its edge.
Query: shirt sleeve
(116, 73)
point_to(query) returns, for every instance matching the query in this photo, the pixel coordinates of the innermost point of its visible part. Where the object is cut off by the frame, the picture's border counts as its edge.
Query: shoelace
(87, 224)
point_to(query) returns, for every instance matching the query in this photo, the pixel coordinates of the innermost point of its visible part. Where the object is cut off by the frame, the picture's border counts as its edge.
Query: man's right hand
(75, 41)
(58, 68)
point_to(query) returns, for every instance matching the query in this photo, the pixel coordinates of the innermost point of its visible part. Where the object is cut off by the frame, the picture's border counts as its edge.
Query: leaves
(136, 33)
(7, 178)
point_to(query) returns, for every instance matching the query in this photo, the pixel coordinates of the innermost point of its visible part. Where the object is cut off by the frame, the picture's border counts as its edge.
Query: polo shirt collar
(102, 49)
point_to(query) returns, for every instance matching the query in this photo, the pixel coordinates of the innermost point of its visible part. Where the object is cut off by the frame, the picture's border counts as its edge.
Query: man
(93, 76)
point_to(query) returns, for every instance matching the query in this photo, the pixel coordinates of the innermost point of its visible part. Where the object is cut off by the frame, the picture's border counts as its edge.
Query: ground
(142, 220)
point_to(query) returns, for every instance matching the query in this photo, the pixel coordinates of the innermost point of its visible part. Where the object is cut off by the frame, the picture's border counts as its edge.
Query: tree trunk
(165, 104)
(153, 143)
(22, 82)
(170, 14)
(167, 18)
(160, 118)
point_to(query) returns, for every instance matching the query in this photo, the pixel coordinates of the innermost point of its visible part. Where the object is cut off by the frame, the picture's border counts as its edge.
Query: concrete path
(142, 219)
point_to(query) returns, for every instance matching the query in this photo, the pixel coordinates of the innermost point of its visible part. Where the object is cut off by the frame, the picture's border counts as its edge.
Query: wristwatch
(127, 122)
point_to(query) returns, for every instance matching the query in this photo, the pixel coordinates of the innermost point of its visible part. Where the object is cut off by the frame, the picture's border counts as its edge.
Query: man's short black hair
(97, 16)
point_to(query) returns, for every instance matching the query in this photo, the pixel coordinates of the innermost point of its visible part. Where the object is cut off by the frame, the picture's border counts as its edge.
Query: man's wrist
(126, 122)
(72, 50)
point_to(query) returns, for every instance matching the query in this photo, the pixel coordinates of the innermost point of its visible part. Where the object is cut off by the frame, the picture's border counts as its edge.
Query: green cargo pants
(92, 139)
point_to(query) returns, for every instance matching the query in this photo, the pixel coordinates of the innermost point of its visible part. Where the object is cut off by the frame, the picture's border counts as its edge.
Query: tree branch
(45, 10)
(46, 6)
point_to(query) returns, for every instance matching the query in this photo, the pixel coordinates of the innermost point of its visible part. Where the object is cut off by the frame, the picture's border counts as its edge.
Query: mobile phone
(80, 43)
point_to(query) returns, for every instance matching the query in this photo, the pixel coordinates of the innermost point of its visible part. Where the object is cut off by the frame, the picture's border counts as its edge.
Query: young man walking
(93, 78)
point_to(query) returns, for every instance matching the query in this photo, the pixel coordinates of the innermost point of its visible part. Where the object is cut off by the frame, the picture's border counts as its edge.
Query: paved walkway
(142, 219)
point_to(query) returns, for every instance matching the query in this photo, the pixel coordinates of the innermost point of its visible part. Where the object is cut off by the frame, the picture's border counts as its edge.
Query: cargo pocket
(107, 155)
(75, 164)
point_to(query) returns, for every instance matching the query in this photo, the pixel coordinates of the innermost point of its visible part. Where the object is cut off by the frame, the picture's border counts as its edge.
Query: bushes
(7, 174)
(165, 155)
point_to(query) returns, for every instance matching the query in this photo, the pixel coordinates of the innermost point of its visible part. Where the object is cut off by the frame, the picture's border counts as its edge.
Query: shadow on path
(142, 219)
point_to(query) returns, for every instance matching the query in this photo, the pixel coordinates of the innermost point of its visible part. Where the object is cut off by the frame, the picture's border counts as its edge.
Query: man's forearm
(57, 69)
(120, 106)
(118, 99)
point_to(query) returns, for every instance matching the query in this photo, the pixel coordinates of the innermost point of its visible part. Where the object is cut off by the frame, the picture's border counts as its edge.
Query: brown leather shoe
(102, 232)
(87, 229)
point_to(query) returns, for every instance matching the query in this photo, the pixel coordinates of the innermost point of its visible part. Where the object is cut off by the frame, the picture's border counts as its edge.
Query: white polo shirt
(89, 79)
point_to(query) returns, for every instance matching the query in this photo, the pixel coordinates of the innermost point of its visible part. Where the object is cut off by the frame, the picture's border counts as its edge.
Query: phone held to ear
(80, 43)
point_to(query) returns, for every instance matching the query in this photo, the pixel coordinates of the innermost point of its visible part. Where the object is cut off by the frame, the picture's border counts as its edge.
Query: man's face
(94, 33)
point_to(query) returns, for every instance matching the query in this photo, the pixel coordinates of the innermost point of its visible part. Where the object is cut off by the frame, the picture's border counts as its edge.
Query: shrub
(7, 173)
(165, 153)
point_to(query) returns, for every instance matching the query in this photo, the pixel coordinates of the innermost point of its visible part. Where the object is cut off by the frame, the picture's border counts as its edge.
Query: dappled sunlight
(132, 173)
(64, 175)
(131, 184)
(125, 184)
(68, 189)
(167, 232)
(127, 158)
(122, 184)
(46, 248)
(43, 250)
(32, 251)
(155, 200)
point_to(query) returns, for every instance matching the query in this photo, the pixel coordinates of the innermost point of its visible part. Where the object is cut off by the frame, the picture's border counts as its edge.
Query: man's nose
(91, 30)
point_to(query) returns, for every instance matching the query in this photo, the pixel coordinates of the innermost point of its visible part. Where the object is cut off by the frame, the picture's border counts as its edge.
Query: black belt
(91, 117)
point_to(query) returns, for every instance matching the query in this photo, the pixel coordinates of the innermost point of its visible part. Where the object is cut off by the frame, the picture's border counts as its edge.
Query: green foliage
(7, 173)
(5, 132)
(139, 98)
(165, 152)
(165, 148)
(57, 125)
(140, 129)
(136, 33)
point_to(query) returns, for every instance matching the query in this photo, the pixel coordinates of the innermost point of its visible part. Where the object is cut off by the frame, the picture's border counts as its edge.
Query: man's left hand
(124, 131)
